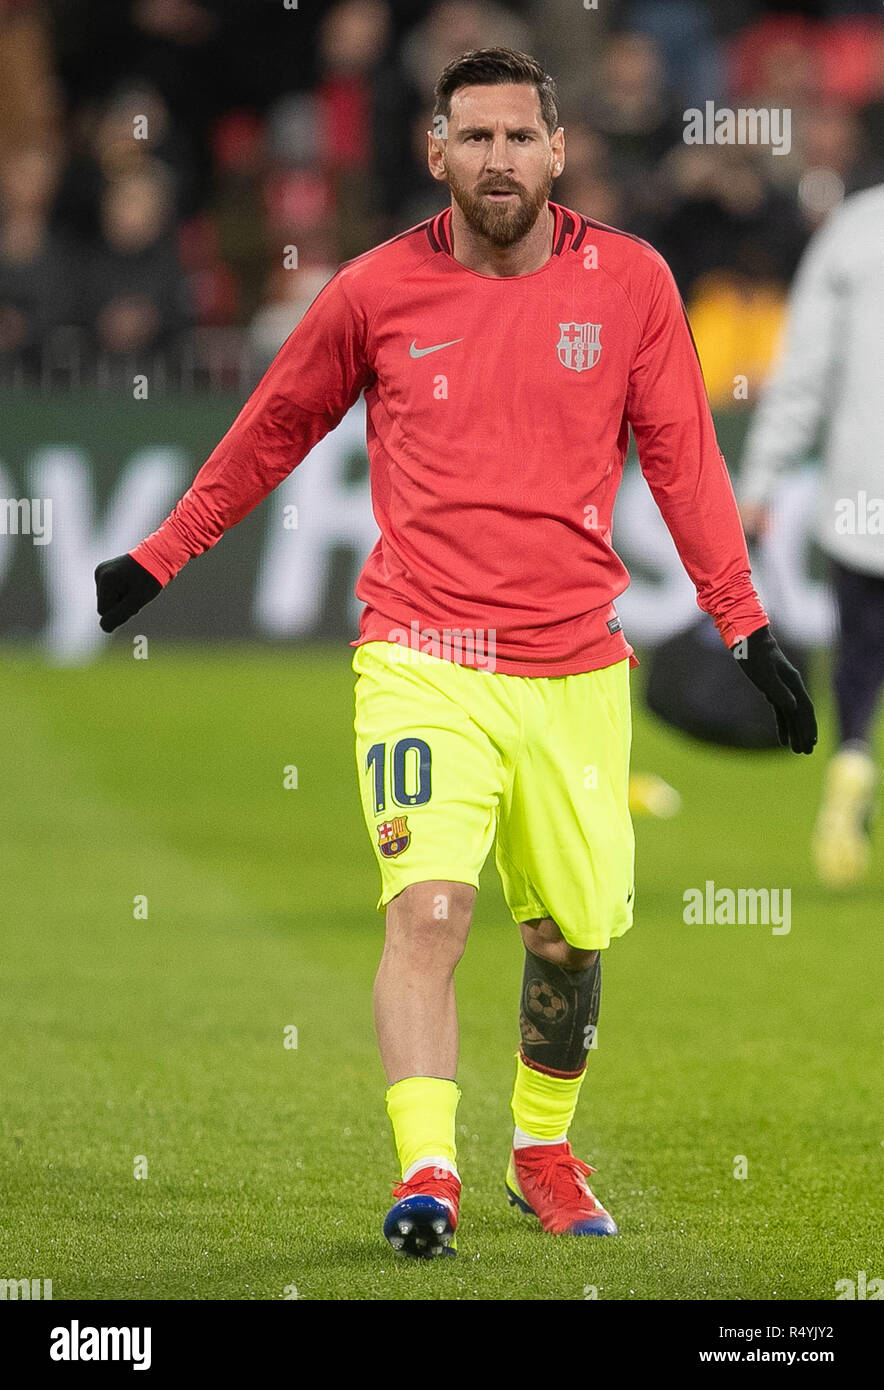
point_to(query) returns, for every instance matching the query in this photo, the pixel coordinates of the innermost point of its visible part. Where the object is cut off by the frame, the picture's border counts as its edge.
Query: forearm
(312, 382)
(250, 461)
(697, 503)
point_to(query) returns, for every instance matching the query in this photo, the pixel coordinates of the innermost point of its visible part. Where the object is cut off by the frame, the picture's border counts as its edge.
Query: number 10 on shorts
(410, 776)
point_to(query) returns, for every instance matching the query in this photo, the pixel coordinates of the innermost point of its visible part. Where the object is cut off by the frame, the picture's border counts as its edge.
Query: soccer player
(504, 346)
(830, 375)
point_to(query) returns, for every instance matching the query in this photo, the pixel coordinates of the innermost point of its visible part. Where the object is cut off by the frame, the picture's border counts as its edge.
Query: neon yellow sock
(422, 1110)
(543, 1106)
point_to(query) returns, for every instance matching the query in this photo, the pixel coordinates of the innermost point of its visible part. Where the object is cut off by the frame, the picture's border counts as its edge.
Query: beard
(503, 224)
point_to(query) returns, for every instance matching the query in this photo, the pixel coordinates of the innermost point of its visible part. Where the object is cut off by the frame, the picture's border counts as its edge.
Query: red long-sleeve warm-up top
(498, 411)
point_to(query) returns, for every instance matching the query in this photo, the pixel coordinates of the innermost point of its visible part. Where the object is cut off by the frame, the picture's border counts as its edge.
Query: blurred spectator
(183, 22)
(587, 184)
(419, 195)
(352, 42)
(212, 286)
(567, 38)
(684, 33)
(775, 62)
(719, 214)
(237, 205)
(135, 126)
(37, 268)
(848, 57)
(835, 160)
(289, 295)
(631, 107)
(135, 295)
(29, 105)
(402, 117)
(453, 27)
(599, 198)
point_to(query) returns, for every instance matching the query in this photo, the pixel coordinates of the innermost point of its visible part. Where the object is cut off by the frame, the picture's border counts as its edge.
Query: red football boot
(548, 1181)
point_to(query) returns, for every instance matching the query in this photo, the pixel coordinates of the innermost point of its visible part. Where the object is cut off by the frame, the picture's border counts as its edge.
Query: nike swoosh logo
(415, 351)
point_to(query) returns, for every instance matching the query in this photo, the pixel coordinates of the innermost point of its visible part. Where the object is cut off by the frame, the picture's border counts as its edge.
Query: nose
(498, 161)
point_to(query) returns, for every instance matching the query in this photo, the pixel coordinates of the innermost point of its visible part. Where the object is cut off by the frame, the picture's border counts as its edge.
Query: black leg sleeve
(559, 1013)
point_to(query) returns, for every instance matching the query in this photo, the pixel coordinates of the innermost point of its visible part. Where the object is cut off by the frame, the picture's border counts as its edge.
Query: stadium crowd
(178, 178)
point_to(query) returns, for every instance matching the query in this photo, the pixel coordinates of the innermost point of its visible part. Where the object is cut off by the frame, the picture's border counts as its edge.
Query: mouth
(499, 195)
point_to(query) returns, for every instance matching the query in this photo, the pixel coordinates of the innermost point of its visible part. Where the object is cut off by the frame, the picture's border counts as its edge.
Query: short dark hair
(493, 67)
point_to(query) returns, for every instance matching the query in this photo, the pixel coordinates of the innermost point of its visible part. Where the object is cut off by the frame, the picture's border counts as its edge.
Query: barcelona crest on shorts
(394, 837)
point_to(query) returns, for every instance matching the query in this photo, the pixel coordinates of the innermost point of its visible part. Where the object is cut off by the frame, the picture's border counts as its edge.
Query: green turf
(269, 1168)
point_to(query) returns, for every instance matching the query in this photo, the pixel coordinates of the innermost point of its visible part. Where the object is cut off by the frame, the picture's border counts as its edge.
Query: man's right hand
(122, 586)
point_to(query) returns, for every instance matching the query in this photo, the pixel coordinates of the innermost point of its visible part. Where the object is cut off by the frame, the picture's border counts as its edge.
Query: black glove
(123, 586)
(763, 662)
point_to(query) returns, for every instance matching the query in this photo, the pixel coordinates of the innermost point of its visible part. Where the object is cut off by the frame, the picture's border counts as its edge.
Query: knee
(543, 938)
(431, 921)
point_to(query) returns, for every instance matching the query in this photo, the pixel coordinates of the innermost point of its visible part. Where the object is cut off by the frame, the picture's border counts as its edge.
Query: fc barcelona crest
(394, 837)
(579, 347)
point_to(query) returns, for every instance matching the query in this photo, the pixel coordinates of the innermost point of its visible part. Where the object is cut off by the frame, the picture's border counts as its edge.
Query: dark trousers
(859, 655)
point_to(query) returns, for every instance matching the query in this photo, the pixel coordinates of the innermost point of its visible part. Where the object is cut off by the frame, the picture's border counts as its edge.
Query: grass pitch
(161, 1039)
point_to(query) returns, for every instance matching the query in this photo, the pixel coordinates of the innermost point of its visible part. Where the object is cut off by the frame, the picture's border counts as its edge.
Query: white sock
(521, 1140)
(429, 1163)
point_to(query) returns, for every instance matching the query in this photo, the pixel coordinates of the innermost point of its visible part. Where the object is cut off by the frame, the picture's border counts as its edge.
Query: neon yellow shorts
(448, 755)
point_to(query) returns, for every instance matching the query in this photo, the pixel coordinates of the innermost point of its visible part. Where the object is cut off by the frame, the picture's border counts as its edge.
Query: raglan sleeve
(315, 378)
(667, 407)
